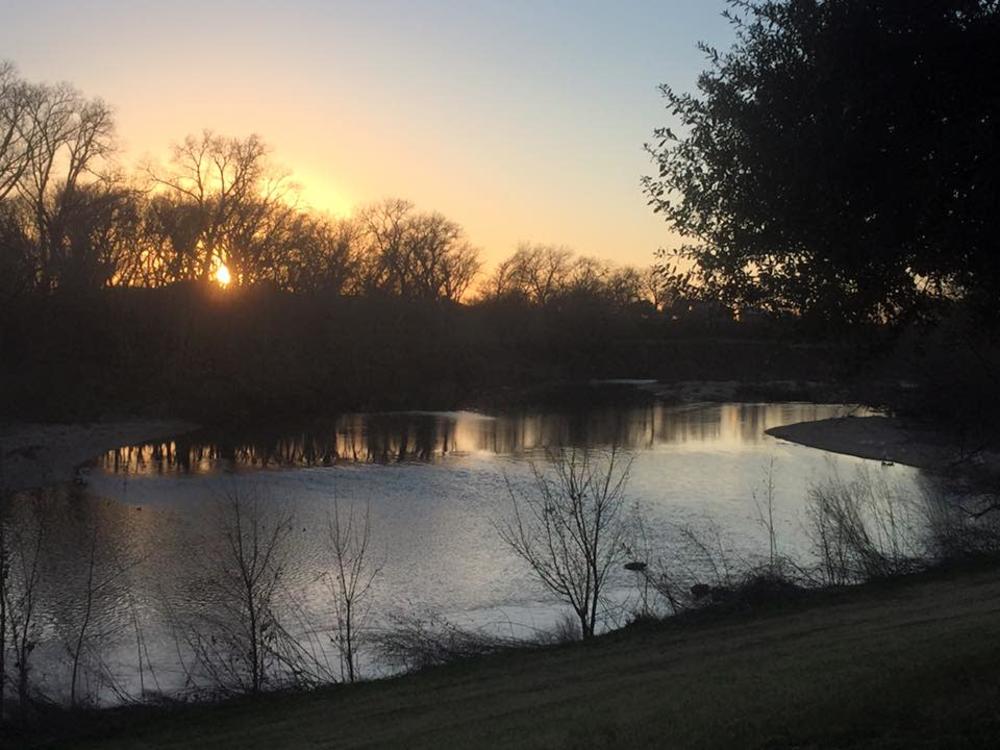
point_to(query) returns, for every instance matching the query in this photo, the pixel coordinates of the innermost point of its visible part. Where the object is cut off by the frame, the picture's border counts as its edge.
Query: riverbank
(36, 454)
(904, 663)
(33, 455)
(785, 674)
(893, 440)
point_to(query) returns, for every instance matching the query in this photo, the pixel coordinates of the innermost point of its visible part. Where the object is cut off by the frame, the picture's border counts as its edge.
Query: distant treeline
(194, 350)
(73, 219)
(111, 298)
(111, 301)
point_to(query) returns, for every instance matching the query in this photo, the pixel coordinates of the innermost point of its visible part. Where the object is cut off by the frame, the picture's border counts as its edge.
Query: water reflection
(145, 517)
(431, 436)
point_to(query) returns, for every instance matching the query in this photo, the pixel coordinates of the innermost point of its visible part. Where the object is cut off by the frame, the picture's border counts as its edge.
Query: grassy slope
(911, 664)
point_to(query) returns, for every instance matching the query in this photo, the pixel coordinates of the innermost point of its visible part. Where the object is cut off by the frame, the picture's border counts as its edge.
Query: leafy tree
(840, 159)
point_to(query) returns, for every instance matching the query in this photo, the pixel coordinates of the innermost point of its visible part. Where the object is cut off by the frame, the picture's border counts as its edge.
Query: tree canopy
(840, 160)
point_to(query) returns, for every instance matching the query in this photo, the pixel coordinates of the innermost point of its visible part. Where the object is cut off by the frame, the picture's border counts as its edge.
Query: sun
(222, 275)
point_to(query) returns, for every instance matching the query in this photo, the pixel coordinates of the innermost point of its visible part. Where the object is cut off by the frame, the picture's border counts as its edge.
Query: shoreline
(37, 455)
(888, 439)
(751, 675)
(34, 455)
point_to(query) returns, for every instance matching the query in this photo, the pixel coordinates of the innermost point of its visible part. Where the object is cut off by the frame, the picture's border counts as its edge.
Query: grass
(901, 664)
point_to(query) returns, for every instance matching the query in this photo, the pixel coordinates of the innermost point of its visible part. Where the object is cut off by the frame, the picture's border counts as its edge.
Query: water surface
(435, 485)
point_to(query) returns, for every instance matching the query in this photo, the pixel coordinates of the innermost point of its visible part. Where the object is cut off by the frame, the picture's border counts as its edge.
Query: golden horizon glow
(321, 193)
(543, 146)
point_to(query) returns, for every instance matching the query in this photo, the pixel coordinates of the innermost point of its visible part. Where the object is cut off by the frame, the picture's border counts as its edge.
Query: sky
(522, 120)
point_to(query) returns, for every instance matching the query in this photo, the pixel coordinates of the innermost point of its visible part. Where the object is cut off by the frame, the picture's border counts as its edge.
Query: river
(434, 485)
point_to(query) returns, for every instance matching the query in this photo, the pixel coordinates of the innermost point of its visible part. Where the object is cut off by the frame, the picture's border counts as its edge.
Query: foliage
(108, 301)
(838, 161)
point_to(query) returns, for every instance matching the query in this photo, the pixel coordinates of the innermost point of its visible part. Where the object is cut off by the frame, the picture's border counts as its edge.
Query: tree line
(107, 300)
(72, 217)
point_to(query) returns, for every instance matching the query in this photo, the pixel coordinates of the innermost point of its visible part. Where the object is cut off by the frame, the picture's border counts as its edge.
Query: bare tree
(25, 541)
(55, 145)
(18, 136)
(325, 257)
(94, 584)
(74, 138)
(441, 264)
(235, 631)
(542, 274)
(588, 277)
(501, 284)
(765, 516)
(102, 240)
(385, 228)
(542, 271)
(354, 572)
(220, 202)
(625, 287)
(572, 530)
(410, 254)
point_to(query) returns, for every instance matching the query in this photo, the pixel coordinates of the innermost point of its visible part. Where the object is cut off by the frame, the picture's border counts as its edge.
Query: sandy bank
(33, 455)
(887, 439)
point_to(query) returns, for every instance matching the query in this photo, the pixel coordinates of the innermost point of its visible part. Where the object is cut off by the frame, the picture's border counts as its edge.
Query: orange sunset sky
(523, 121)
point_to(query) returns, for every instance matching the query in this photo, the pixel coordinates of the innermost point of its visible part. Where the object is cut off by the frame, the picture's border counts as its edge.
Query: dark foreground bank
(908, 663)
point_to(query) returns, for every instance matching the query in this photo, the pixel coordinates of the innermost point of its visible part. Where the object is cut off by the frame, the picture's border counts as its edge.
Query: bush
(864, 529)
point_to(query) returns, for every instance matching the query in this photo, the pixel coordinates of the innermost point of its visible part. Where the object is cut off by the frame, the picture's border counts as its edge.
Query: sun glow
(222, 275)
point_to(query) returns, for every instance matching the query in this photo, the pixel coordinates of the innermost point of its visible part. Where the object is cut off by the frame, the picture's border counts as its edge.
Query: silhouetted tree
(352, 312)
(544, 276)
(353, 572)
(17, 251)
(221, 203)
(840, 159)
(572, 530)
(626, 288)
(541, 272)
(235, 632)
(414, 255)
(318, 254)
(102, 228)
(18, 136)
(72, 139)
